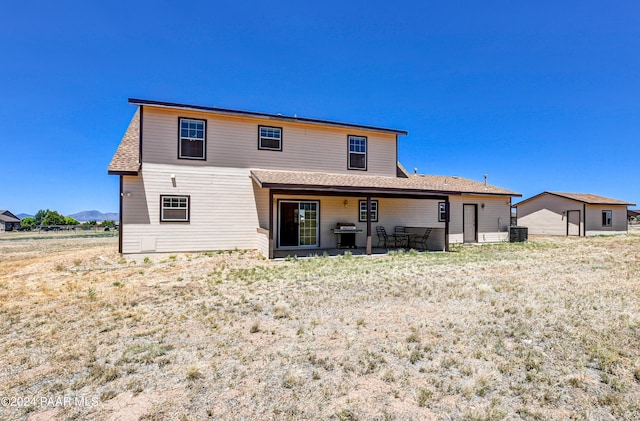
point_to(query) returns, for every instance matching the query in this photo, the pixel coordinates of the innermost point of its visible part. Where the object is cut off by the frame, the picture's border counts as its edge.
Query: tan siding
(546, 215)
(262, 205)
(392, 212)
(233, 142)
(262, 242)
(493, 218)
(594, 220)
(223, 212)
(412, 214)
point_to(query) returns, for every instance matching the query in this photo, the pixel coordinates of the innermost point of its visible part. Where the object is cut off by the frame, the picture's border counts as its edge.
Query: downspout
(140, 135)
(369, 224)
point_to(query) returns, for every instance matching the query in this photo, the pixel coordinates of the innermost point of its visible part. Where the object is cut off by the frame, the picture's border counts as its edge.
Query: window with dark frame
(192, 135)
(357, 152)
(442, 212)
(174, 208)
(607, 218)
(363, 211)
(270, 138)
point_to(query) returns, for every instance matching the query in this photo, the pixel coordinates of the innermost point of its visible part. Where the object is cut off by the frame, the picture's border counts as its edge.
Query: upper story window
(192, 139)
(363, 211)
(442, 211)
(270, 138)
(174, 208)
(357, 153)
(607, 218)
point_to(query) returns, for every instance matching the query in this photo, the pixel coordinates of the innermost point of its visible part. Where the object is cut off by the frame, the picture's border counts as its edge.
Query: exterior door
(469, 223)
(573, 222)
(298, 224)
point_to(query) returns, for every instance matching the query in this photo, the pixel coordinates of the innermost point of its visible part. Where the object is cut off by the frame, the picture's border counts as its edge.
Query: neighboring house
(195, 178)
(8, 221)
(554, 213)
(632, 215)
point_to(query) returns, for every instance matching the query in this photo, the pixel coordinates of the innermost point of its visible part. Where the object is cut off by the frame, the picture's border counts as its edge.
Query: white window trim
(374, 210)
(366, 148)
(163, 208)
(442, 213)
(260, 137)
(191, 139)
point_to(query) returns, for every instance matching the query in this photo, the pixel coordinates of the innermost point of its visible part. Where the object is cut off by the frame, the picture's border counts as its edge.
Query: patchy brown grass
(549, 329)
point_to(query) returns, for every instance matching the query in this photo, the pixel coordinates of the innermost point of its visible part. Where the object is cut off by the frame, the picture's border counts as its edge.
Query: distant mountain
(94, 215)
(24, 215)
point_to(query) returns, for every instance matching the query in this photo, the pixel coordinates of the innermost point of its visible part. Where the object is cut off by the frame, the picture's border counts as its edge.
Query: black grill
(346, 232)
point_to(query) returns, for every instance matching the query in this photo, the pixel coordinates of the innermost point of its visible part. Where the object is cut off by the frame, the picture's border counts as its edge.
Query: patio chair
(386, 240)
(421, 240)
(400, 236)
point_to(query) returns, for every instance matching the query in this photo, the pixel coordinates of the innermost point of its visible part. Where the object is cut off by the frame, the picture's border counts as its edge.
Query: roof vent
(415, 171)
(485, 179)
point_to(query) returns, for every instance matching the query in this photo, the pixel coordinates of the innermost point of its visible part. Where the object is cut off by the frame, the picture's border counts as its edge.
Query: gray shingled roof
(8, 218)
(413, 184)
(588, 198)
(127, 156)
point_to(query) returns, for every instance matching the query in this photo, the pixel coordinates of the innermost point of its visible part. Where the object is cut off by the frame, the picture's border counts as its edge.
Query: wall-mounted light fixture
(172, 176)
(125, 194)
(482, 205)
(346, 203)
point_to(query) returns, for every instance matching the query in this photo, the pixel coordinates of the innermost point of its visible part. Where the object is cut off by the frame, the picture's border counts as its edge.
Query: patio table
(402, 238)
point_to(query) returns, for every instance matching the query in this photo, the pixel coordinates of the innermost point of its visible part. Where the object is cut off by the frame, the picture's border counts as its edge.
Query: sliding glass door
(298, 223)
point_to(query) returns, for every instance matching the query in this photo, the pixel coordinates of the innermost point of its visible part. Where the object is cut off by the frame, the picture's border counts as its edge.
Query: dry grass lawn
(549, 329)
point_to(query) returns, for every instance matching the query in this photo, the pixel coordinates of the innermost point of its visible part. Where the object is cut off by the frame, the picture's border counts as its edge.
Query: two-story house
(197, 178)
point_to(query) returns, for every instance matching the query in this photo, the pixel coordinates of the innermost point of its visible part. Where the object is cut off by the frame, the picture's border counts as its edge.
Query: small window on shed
(607, 218)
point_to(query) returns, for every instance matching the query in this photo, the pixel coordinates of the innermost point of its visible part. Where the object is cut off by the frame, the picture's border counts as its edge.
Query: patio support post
(368, 224)
(447, 207)
(270, 224)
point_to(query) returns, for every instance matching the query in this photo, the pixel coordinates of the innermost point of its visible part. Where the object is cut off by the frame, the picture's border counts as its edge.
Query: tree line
(48, 218)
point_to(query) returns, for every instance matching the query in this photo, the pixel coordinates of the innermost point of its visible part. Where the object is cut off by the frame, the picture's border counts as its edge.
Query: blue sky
(539, 95)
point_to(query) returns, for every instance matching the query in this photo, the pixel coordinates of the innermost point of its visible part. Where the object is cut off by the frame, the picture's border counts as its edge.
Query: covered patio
(334, 196)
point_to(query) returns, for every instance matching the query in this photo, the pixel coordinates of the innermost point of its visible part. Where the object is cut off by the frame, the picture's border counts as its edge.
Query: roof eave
(508, 194)
(240, 113)
(123, 172)
(355, 189)
(556, 194)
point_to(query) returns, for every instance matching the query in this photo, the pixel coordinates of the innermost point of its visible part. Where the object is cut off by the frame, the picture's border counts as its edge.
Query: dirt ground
(548, 329)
